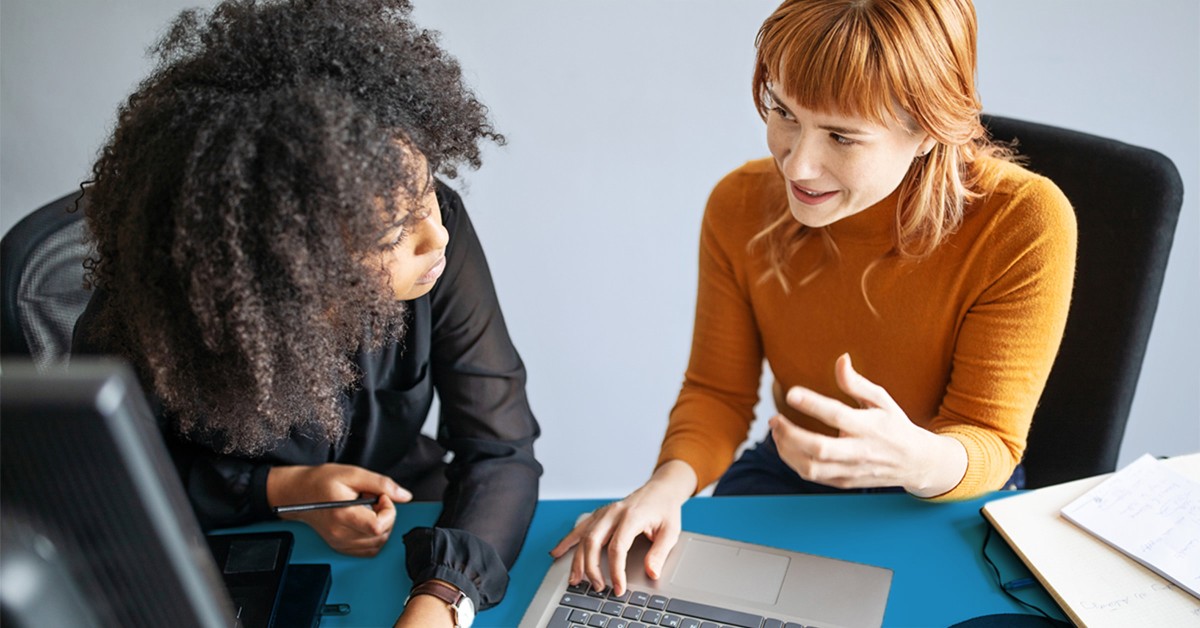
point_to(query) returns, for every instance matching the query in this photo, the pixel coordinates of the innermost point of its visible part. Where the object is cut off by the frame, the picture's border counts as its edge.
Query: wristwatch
(461, 606)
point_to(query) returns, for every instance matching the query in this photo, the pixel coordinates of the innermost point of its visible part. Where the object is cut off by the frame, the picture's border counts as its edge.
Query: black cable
(1000, 582)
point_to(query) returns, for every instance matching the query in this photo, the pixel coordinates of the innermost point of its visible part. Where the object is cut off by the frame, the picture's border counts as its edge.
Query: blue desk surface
(940, 577)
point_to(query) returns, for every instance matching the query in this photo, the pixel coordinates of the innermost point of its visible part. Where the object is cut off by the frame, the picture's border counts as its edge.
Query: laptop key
(714, 613)
(708, 624)
(581, 602)
(652, 617)
(560, 618)
(688, 622)
(580, 589)
(597, 621)
(657, 602)
(670, 620)
(581, 617)
(611, 608)
(639, 598)
(638, 624)
(772, 623)
(632, 612)
(601, 593)
(617, 622)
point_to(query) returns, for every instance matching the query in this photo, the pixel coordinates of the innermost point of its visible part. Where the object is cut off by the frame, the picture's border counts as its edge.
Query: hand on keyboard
(654, 510)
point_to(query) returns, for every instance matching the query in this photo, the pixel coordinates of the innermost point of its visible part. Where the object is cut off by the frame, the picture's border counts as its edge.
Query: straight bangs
(829, 61)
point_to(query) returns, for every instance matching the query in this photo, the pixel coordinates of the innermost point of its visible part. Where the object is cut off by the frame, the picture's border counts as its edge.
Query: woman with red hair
(905, 280)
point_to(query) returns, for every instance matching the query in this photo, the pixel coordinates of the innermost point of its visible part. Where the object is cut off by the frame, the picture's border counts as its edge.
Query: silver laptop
(709, 581)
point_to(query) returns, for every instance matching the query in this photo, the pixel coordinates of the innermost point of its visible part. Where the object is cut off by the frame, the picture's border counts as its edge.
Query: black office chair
(1127, 201)
(41, 282)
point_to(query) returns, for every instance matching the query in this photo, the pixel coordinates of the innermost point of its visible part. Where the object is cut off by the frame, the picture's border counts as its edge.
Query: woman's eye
(399, 239)
(395, 238)
(842, 139)
(783, 113)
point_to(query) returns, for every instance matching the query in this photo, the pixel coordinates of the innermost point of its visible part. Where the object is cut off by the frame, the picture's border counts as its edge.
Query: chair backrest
(1127, 201)
(41, 282)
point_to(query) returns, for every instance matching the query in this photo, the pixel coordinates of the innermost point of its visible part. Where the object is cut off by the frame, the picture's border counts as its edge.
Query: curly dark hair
(249, 179)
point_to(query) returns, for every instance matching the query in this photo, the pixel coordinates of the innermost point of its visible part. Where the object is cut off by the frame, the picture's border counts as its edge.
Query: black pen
(362, 501)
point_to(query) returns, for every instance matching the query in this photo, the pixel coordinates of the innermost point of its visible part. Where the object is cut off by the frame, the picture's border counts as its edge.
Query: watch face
(466, 612)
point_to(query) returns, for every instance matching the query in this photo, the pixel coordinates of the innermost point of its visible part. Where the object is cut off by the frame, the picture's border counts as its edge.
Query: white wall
(621, 114)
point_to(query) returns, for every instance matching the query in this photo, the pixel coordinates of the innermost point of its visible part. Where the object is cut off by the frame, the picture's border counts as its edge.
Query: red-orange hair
(911, 61)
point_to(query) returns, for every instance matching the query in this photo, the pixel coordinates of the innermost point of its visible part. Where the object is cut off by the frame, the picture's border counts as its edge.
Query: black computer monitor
(97, 530)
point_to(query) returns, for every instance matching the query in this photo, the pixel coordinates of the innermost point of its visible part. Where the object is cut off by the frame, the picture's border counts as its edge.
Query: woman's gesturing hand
(654, 510)
(878, 445)
(353, 530)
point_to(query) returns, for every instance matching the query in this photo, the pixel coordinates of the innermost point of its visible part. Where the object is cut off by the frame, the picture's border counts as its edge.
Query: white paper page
(1095, 585)
(1152, 514)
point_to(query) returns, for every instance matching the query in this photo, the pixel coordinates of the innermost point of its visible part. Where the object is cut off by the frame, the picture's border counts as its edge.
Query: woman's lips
(434, 272)
(809, 196)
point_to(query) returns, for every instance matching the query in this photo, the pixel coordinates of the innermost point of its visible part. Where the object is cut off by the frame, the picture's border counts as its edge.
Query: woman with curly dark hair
(275, 257)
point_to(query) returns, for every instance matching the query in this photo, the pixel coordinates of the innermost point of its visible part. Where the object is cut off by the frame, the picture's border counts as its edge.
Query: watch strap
(444, 592)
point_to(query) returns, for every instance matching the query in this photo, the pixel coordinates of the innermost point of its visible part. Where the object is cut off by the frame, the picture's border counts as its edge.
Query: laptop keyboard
(581, 607)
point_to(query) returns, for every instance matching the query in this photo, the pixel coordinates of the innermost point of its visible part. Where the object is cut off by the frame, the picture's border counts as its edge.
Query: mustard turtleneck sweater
(963, 339)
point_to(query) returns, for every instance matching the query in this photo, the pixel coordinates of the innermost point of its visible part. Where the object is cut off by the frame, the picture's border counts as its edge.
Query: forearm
(942, 463)
(486, 513)
(675, 478)
(493, 497)
(990, 460)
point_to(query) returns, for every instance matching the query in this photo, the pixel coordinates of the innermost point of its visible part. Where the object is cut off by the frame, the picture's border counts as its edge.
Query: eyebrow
(840, 130)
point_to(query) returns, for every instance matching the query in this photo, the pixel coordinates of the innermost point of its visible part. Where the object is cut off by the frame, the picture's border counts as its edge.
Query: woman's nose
(432, 234)
(802, 160)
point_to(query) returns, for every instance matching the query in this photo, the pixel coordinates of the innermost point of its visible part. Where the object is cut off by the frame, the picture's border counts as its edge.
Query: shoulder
(464, 242)
(1023, 216)
(1017, 195)
(450, 205)
(85, 338)
(1021, 211)
(466, 264)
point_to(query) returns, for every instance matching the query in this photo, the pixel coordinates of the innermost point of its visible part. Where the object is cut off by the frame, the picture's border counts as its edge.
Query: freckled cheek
(777, 141)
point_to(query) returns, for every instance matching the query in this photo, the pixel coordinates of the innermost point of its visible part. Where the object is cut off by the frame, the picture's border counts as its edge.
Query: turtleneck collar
(873, 224)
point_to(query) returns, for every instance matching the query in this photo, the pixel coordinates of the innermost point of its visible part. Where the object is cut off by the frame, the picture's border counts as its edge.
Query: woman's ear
(925, 146)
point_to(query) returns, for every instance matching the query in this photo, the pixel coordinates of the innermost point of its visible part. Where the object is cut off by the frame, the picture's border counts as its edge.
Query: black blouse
(456, 343)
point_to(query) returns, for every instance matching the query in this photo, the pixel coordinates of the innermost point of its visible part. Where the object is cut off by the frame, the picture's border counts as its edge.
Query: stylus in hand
(362, 501)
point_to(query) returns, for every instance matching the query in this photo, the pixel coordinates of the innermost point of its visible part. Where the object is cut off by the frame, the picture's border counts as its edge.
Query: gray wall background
(621, 115)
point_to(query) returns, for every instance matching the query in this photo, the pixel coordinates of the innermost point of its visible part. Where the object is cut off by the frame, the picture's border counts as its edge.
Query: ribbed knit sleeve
(1010, 333)
(715, 408)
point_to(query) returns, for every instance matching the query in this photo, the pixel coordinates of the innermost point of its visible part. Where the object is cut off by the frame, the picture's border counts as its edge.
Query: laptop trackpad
(733, 571)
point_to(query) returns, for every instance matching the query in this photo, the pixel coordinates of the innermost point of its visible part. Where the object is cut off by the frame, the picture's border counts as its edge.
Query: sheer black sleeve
(485, 421)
